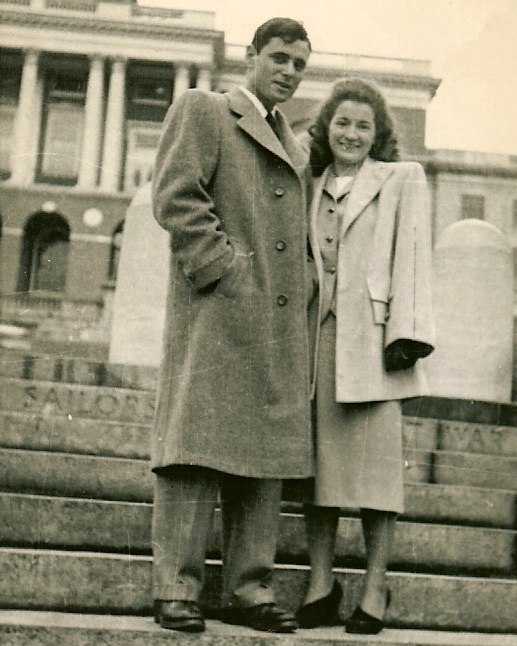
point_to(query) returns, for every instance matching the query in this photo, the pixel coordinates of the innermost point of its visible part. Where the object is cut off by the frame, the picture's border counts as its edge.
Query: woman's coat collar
(367, 183)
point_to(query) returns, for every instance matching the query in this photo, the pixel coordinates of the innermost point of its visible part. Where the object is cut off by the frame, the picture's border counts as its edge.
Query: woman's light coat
(383, 278)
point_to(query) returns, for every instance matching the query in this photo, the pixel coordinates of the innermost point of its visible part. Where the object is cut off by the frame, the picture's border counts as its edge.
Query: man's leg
(184, 502)
(251, 515)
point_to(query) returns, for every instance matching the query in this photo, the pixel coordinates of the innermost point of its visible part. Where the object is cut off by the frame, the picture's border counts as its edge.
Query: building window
(10, 73)
(149, 92)
(472, 206)
(62, 131)
(44, 257)
(116, 244)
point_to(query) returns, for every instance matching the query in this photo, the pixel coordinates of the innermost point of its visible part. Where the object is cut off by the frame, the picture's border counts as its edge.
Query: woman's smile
(351, 134)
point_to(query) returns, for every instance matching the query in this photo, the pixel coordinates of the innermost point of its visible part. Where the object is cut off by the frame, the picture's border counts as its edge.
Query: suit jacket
(234, 388)
(383, 290)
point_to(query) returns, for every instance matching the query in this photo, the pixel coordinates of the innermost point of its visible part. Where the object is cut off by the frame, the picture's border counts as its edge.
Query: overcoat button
(279, 192)
(281, 300)
(330, 238)
(191, 277)
(281, 245)
(332, 209)
(331, 270)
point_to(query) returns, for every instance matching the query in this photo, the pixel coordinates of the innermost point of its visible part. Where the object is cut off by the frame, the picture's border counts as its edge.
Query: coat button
(330, 239)
(331, 210)
(281, 245)
(191, 278)
(281, 300)
(331, 270)
(279, 191)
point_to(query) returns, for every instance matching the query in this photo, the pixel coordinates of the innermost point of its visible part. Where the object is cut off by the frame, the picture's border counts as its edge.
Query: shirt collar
(336, 189)
(256, 102)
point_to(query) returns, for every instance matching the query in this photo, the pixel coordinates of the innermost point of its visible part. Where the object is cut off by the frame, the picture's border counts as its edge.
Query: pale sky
(472, 45)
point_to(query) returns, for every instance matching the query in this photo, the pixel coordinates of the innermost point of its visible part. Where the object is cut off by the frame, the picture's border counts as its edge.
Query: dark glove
(403, 354)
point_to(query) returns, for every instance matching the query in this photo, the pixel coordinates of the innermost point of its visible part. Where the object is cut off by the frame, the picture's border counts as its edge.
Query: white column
(181, 81)
(23, 127)
(204, 81)
(90, 153)
(114, 127)
(33, 147)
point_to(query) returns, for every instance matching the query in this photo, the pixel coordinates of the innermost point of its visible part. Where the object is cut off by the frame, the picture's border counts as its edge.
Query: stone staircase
(75, 504)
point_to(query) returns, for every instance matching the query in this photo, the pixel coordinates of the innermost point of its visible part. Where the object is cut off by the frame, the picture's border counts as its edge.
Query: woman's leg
(321, 529)
(378, 532)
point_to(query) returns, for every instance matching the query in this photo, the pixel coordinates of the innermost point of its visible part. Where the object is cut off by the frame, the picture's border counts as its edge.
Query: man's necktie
(273, 123)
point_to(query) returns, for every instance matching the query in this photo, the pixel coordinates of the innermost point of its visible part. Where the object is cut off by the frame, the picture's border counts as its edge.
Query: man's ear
(251, 52)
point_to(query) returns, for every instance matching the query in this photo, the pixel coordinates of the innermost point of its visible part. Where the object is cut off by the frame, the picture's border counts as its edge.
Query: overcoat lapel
(370, 178)
(257, 127)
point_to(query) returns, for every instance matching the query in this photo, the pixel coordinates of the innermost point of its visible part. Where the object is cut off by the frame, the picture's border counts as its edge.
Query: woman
(369, 234)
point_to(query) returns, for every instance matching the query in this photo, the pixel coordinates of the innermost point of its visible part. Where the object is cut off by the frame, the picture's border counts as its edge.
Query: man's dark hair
(285, 28)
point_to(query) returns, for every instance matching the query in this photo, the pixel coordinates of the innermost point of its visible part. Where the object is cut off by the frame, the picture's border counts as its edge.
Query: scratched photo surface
(85, 86)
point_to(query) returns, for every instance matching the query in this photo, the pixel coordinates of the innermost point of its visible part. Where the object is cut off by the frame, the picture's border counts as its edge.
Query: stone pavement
(26, 628)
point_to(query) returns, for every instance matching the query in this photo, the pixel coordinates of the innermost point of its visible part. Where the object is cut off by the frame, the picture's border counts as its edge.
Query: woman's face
(351, 133)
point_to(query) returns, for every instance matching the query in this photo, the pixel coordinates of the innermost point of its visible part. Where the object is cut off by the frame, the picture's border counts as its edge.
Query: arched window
(116, 244)
(44, 256)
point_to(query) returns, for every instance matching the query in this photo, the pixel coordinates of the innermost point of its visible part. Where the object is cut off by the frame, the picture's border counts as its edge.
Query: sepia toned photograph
(258, 358)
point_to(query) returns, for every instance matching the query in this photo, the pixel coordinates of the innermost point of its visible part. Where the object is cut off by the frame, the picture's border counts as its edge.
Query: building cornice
(434, 166)
(103, 25)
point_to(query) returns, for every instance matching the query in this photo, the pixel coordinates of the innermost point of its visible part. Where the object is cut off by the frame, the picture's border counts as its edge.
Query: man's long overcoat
(234, 388)
(384, 279)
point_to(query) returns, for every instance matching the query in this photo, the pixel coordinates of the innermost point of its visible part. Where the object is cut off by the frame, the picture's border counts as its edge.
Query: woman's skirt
(358, 446)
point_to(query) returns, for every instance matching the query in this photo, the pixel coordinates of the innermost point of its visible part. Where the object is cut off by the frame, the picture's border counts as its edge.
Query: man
(233, 402)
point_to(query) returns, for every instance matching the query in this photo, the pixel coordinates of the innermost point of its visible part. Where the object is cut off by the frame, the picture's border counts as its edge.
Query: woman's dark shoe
(184, 616)
(266, 616)
(322, 612)
(361, 623)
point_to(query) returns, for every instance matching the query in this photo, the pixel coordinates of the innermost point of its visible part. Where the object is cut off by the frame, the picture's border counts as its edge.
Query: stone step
(32, 628)
(45, 430)
(123, 479)
(95, 582)
(83, 436)
(113, 478)
(76, 476)
(73, 370)
(77, 401)
(99, 391)
(125, 528)
(459, 436)
(467, 469)
(39, 410)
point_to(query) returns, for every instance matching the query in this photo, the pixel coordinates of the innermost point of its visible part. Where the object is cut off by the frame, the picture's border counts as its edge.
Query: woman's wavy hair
(385, 146)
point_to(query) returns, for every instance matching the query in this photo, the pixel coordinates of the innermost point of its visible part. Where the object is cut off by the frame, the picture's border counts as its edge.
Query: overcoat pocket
(380, 302)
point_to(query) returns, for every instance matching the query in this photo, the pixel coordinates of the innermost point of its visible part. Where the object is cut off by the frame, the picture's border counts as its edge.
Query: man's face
(275, 72)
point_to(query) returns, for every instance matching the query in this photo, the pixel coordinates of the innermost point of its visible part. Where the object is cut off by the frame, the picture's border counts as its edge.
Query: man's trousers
(184, 502)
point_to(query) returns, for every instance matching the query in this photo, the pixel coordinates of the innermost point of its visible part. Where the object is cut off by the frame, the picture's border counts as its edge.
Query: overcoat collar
(257, 127)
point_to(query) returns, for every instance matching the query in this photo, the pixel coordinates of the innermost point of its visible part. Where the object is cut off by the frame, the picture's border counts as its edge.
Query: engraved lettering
(131, 406)
(82, 406)
(106, 405)
(51, 401)
(31, 396)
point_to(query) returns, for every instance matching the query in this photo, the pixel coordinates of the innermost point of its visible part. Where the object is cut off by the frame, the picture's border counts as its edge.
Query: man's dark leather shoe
(179, 615)
(266, 616)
